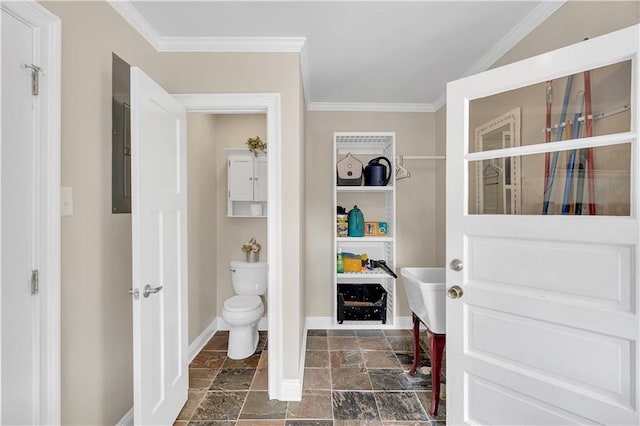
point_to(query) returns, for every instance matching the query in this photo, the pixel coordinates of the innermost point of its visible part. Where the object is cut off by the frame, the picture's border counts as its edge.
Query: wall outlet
(66, 201)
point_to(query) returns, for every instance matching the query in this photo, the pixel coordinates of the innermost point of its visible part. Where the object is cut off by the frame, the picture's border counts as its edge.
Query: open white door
(544, 327)
(159, 234)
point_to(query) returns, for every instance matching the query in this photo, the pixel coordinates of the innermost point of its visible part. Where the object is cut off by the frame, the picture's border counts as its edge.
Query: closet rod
(422, 157)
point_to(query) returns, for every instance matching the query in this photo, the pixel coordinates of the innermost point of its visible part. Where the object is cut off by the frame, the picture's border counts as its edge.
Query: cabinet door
(240, 178)
(260, 179)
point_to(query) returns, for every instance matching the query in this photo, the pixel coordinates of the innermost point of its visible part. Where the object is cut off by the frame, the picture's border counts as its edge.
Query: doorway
(269, 105)
(30, 228)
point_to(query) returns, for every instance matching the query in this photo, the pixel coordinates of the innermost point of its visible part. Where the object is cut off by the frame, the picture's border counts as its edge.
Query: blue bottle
(356, 222)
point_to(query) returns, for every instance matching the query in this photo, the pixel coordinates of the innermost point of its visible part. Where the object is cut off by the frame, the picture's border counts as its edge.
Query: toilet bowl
(243, 311)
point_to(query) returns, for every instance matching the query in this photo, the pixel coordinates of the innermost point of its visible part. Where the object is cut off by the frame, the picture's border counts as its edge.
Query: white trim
(305, 73)
(202, 44)
(370, 107)
(291, 390)
(515, 35)
(130, 14)
(199, 342)
(50, 51)
(268, 103)
(327, 323)
(127, 419)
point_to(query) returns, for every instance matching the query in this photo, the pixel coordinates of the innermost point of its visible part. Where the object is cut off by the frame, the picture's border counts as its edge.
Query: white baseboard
(327, 323)
(196, 346)
(290, 390)
(127, 420)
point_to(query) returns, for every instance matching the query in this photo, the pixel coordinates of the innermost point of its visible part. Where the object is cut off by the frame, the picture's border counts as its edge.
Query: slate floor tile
(354, 406)
(233, 379)
(400, 406)
(346, 359)
(380, 359)
(219, 406)
(350, 378)
(316, 359)
(389, 379)
(317, 378)
(259, 406)
(314, 405)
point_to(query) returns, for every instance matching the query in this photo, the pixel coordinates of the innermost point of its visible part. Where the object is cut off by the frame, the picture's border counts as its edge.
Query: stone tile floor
(351, 377)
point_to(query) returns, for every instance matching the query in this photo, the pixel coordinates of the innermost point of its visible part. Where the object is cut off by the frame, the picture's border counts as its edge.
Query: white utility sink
(425, 288)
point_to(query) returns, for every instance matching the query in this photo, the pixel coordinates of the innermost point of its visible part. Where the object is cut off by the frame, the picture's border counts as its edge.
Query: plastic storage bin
(362, 302)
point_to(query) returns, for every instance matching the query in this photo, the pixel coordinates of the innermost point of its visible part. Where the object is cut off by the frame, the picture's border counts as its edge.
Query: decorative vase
(253, 256)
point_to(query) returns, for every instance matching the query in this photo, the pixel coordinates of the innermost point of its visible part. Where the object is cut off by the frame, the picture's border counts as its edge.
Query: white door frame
(47, 49)
(269, 104)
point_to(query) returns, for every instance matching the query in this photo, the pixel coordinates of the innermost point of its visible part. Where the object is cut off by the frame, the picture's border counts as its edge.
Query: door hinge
(35, 282)
(35, 78)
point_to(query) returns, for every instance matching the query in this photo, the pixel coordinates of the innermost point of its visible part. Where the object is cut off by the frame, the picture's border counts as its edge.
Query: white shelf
(388, 188)
(380, 202)
(368, 274)
(365, 239)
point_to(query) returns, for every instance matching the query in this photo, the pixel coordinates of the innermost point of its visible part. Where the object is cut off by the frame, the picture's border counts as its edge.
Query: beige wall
(214, 238)
(232, 131)
(441, 199)
(96, 245)
(201, 209)
(416, 197)
(571, 23)
(270, 73)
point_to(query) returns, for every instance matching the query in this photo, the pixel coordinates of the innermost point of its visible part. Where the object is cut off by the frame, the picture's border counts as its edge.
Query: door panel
(240, 178)
(606, 286)
(547, 328)
(261, 179)
(20, 314)
(158, 129)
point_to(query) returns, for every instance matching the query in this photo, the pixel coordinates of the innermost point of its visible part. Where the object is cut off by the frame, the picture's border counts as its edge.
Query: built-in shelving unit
(378, 204)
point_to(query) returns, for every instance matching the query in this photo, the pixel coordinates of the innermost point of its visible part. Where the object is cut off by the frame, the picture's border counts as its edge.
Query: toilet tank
(249, 278)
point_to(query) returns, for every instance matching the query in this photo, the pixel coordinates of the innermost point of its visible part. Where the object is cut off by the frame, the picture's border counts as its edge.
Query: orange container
(352, 264)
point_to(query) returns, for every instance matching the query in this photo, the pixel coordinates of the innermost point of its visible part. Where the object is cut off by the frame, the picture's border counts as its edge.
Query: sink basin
(425, 289)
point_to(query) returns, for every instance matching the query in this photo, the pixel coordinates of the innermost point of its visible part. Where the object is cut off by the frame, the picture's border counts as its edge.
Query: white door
(240, 178)
(20, 314)
(546, 327)
(261, 178)
(159, 233)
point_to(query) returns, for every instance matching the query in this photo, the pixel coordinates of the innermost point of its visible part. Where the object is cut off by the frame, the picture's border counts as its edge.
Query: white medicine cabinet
(378, 205)
(246, 183)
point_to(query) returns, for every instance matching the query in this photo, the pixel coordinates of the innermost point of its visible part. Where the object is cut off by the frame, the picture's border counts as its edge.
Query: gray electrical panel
(121, 137)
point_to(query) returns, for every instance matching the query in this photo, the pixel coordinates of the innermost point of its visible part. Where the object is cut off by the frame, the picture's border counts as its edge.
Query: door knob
(149, 290)
(455, 292)
(456, 265)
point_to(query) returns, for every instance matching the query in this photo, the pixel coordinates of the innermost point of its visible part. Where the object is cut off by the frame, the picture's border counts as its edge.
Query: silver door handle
(148, 290)
(455, 292)
(456, 265)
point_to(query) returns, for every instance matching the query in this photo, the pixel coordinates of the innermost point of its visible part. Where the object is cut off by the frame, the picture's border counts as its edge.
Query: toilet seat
(242, 303)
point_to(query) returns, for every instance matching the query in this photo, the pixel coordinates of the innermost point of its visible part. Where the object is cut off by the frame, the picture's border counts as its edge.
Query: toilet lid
(242, 303)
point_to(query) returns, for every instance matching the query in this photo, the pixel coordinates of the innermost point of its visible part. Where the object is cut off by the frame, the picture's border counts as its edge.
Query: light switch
(66, 201)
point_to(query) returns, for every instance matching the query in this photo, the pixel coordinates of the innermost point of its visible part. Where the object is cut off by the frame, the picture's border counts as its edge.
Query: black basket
(362, 302)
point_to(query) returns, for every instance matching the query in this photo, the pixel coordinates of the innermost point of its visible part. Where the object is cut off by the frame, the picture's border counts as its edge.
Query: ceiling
(355, 55)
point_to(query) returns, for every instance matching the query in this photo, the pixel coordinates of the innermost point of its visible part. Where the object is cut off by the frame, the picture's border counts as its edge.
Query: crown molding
(130, 14)
(203, 44)
(515, 35)
(370, 107)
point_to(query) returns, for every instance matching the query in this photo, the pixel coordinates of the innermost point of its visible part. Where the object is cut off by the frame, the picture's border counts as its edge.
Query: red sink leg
(436, 346)
(416, 344)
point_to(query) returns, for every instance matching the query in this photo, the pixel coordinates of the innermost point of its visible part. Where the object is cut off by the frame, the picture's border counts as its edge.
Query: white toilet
(243, 311)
